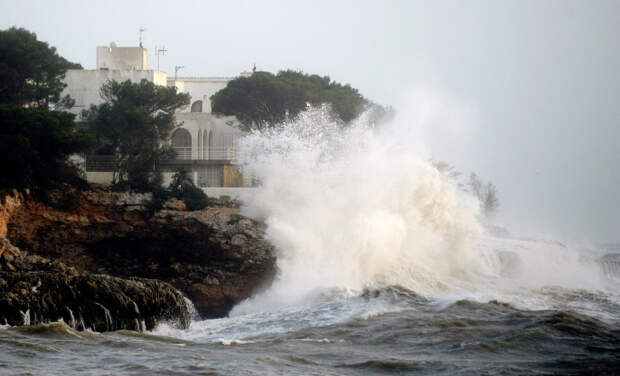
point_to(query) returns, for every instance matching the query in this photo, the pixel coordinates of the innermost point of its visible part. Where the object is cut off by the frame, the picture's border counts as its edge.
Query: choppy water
(492, 329)
(384, 268)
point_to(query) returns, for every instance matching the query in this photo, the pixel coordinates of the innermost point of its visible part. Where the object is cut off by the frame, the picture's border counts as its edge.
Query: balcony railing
(220, 153)
(104, 163)
(100, 163)
(183, 152)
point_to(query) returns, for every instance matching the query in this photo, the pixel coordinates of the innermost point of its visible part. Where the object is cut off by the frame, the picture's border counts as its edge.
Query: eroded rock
(35, 290)
(215, 256)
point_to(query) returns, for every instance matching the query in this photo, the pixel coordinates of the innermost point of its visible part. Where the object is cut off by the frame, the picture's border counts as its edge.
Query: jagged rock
(132, 200)
(7, 250)
(37, 290)
(8, 205)
(175, 204)
(109, 233)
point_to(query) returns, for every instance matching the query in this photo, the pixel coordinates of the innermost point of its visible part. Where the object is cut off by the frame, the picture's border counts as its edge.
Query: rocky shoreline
(35, 290)
(122, 266)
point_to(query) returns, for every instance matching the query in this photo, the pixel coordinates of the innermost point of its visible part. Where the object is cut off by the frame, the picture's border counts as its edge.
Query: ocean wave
(58, 329)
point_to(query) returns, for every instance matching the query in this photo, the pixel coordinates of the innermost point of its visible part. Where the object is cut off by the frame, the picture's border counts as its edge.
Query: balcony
(223, 153)
(183, 152)
(212, 156)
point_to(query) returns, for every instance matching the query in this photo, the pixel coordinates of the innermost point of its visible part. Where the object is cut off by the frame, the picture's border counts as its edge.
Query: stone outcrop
(215, 256)
(34, 289)
(9, 204)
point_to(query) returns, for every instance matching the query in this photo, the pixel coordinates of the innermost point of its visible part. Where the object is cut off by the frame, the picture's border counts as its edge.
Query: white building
(201, 89)
(205, 143)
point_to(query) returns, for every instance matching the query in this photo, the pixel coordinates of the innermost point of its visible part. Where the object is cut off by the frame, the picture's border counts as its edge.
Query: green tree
(133, 125)
(35, 145)
(486, 194)
(264, 99)
(31, 72)
(258, 100)
(346, 102)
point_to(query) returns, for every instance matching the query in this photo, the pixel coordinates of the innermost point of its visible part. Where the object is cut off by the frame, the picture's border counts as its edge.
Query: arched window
(197, 106)
(182, 143)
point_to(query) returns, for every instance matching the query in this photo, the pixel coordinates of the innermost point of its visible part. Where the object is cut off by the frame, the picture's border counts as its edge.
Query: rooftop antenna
(142, 30)
(160, 51)
(177, 68)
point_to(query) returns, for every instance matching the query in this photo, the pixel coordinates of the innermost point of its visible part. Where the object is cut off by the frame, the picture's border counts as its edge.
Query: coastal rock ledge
(36, 290)
(214, 256)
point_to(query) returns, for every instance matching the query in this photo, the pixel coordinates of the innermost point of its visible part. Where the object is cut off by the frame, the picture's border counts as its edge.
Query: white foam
(229, 342)
(362, 207)
(356, 208)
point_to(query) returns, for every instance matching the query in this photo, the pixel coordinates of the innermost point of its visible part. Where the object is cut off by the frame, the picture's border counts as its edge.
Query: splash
(355, 208)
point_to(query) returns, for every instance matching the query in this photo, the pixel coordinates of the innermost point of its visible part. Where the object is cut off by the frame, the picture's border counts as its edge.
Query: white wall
(99, 177)
(223, 130)
(200, 88)
(84, 85)
(126, 58)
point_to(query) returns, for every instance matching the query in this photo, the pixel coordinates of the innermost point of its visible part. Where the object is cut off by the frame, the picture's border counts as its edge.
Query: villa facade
(205, 143)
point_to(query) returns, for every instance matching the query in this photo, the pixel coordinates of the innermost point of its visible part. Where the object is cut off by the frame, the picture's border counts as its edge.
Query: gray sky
(542, 77)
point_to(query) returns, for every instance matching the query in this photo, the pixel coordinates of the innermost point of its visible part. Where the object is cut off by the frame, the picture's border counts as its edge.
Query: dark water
(543, 309)
(387, 331)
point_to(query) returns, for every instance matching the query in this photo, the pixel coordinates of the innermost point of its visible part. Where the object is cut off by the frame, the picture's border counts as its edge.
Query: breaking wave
(355, 208)
(359, 207)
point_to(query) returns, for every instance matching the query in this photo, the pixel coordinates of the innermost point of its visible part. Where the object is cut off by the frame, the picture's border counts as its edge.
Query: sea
(386, 266)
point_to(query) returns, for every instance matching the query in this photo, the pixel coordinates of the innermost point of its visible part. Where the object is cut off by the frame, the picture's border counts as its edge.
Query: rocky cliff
(34, 289)
(215, 256)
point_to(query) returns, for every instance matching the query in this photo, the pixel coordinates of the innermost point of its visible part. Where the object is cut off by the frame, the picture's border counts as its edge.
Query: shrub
(183, 188)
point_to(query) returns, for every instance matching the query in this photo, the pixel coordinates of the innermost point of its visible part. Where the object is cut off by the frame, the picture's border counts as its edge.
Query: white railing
(221, 153)
(226, 153)
(183, 152)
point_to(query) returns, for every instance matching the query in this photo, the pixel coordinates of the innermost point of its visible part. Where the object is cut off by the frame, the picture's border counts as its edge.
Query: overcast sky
(541, 79)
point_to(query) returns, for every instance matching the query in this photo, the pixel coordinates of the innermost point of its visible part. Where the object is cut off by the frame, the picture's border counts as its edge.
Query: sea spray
(357, 207)
(72, 321)
(193, 312)
(108, 317)
(354, 207)
(25, 317)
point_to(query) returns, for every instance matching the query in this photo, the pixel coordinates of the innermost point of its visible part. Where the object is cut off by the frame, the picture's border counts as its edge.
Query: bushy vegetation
(265, 99)
(182, 187)
(133, 125)
(35, 142)
(31, 72)
(35, 145)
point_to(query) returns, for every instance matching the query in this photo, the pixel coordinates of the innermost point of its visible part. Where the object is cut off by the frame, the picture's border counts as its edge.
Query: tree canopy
(31, 72)
(264, 99)
(35, 145)
(133, 125)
